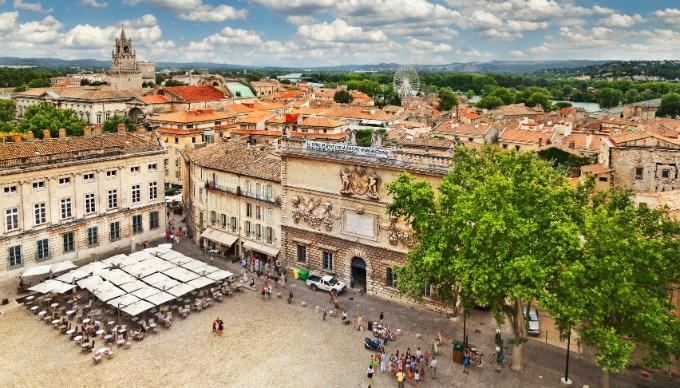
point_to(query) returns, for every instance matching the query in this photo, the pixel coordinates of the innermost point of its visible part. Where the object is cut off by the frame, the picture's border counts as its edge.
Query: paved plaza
(268, 343)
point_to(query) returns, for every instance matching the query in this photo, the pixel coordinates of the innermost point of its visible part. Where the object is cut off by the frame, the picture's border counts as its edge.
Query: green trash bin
(458, 348)
(303, 274)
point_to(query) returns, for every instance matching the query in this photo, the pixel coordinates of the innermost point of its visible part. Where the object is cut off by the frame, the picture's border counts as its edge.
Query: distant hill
(481, 67)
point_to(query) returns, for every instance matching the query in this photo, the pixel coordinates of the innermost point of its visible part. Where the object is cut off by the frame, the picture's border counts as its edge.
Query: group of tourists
(218, 326)
(172, 236)
(408, 366)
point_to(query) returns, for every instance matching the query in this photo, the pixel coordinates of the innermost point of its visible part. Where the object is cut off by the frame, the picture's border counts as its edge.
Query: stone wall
(624, 162)
(378, 260)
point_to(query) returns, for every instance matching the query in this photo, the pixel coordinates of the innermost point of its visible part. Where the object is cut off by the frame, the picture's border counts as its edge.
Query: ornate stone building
(334, 217)
(79, 198)
(125, 73)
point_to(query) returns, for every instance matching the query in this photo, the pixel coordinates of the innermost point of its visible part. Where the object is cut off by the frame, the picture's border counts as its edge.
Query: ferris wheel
(406, 81)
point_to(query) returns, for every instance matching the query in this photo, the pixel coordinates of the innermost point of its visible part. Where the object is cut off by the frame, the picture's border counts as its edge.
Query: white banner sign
(348, 149)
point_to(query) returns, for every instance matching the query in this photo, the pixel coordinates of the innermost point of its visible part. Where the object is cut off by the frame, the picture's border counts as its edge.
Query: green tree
(562, 104)
(255, 76)
(539, 98)
(47, 116)
(447, 99)
(670, 105)
(615, 291)
(343, 97)
(632, 95)
(498, 226)
(7, 110)
(489, 102)
(84, 82)
(609, 97)
(39, 83)
(111, 125)
(504, 94)
(172, 82)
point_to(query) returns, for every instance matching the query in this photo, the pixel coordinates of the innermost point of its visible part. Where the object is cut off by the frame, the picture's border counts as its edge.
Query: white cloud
(518, 53)
(669, 16)
(196, 10)
(297, 6)
(301, 19)
(33, 7)
(621, 20)
(339, 31)
(427, 46)
(147, 20)
(8, 20)
(227, 37)
(94, 3)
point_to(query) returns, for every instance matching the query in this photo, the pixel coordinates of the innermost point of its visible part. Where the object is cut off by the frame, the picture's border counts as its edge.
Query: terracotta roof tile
(48, 151)
(595, 169)
(581, 139)
(238, 108)
(239, 159)
(312, 121)
(155, 99)
(456, 128)
(196, 93)
(256, 117)
(191, 116)
(522, 136)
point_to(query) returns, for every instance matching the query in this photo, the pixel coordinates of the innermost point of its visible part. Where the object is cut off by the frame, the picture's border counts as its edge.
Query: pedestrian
(323, 313)
(419, 354)
(466, 362)
(416, 377)
(500, 357)
(433, 367)
(214, 326)
(381, 317)
(369, 373)
(220, 327)
(383, 362)
(290, 297)
(400, 379)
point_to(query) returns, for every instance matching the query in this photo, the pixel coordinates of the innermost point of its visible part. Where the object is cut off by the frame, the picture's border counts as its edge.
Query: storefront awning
(267, 250)
(218, 236)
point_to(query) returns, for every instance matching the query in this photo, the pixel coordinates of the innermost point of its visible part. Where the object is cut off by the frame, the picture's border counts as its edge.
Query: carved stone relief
(397, 234)
(360, 181)
(311, 213)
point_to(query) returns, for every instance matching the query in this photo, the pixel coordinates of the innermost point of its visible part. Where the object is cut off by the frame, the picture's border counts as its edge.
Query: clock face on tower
(115, 61)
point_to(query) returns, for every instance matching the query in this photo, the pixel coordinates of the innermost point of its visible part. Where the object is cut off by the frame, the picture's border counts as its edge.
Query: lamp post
(565, 380)
(465, 337)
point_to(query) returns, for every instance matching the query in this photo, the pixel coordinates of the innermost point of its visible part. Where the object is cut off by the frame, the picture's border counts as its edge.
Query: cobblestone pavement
(544, 363)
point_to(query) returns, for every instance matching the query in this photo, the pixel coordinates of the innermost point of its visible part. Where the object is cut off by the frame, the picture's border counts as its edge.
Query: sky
(335, 32)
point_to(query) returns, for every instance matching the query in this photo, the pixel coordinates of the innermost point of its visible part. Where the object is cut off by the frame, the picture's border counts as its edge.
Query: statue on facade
(345, 178)
(397, 234)
(373, 181)
(309, 212)
(360, 181)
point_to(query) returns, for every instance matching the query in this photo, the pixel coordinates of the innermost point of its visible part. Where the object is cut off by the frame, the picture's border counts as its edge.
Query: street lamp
(565, 380)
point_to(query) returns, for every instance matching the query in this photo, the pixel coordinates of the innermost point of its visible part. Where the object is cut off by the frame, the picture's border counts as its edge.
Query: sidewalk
(544, 363)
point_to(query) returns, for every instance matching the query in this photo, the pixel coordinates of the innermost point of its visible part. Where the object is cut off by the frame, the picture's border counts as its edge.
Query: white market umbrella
(36, 270)
(180, 289)
(137, 308)
(123, 300)
(181, 274)
(201, 282)
(62, 266)
(142, 293)
(219, 275)
(159, 298)
(133, 285)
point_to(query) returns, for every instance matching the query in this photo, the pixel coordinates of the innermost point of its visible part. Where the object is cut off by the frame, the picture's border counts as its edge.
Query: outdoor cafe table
(70, 331)
(56, 321)
(70, 312)
(30, 297)
(108, 338)
(122, 330)
(99, 332)
(42, 313)
(34, 309)
(54, 305)
(86, 320)
(77, 338)
(111, 323)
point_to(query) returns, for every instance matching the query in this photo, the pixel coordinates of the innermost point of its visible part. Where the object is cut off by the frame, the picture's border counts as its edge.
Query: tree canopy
(47, 116)
(609, 97)
(343, 97)
(670, 105)
(447, 99)
(489, 102)
(111, 125)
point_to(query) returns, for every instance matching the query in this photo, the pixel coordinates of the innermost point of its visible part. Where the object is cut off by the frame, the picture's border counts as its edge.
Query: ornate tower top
(123, 55)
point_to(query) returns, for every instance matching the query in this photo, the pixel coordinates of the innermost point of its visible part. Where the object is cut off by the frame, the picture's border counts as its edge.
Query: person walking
(400, 379)
(369, 373)
(466, 362)
(433, 367)
(323, 313)
(220, 327)
(383, 362)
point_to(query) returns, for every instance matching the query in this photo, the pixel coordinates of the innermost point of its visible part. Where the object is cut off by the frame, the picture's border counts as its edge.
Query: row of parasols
(137, 282)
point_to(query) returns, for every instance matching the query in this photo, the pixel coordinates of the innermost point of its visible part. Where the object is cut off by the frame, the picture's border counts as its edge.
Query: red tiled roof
(179, 131)
(312, 121)
(580, 140)
(155, 99)
(318, 135)
(522, 136)
(261, 132)
(196, 93)
(237, 158)
(191, 116)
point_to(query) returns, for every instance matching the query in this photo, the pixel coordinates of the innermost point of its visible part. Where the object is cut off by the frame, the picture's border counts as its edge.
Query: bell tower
(123, 54)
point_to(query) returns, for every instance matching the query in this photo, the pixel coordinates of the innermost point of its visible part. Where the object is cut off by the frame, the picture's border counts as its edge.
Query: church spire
(122, 32)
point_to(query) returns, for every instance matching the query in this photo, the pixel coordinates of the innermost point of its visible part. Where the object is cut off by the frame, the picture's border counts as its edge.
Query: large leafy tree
(47, 116)
(111, 125)
(343, 97)
(615, 292)
(500, 222)
(447, 99)
(609, 97)
(670, 105)
(7, 109)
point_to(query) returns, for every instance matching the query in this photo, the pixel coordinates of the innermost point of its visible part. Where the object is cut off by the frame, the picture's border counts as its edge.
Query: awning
(143, 293)
(218, 236)
(51, 285)
(267, 250)
(159, 298)
(123, 300)
(219, 275)
(38, 270)
(181, 274)
(201, 282)
(60, 267)
(133, 286)
(137, 308)
(180, 289)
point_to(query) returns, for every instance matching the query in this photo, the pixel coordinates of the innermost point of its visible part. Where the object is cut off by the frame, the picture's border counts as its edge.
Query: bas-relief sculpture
(360, 181)
(309, 211)
(398, 234)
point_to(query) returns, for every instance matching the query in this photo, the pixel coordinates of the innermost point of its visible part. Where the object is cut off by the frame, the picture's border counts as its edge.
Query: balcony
(213, 186)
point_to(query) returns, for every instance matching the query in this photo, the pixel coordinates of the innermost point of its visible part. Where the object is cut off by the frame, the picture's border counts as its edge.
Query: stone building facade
(334, 218)
(234, 196)
(79, 198)
(643, 161)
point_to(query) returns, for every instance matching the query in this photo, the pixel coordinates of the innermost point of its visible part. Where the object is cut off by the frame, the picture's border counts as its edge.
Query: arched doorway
(358, 271)
(136, 115)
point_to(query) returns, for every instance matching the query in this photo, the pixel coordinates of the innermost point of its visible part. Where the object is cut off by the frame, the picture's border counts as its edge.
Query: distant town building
(125, 73)
(79, 198)
(265, 87)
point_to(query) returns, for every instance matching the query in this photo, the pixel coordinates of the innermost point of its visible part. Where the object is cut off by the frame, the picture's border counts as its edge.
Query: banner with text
(348, 149)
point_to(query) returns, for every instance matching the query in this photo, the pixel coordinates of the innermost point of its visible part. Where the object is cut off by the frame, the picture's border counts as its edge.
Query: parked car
(326, 283)
(533, 326)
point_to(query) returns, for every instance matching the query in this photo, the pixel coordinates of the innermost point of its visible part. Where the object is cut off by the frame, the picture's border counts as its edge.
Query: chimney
(589, 141)
(46, 134)
(572, 144)
(540, 142)
(62, 133)
(141, 129)
(29, 135)
(87, 131)
(98, 129)
(17, 138)
(121, 128)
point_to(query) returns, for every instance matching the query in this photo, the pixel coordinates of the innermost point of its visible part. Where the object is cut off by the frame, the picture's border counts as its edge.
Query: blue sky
(328, 32)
